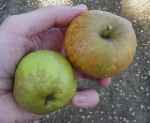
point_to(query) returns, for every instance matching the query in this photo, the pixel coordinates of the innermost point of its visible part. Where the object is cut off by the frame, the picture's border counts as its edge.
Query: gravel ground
(127, 100)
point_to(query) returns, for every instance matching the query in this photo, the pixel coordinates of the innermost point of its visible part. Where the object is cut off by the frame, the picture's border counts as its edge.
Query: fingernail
(81, 6)
(81, 98)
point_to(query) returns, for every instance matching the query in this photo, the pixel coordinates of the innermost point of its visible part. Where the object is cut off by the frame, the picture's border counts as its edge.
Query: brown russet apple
(100, 44)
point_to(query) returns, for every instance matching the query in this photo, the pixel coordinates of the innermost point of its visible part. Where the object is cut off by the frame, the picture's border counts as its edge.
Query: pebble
(142, 88)
(102, 112)
(125, 120)
(148, 73)
(141, 31)
(90, 112)
(114, 112)
(92, 121)
(83, 117)
(148, 61)
(88, 116)
(112, 106)
(133, 113)
(47, 116)
(147, 94)
(148, 107)
(80, 110)
(130, 109)
(101, 118)
(142, 106)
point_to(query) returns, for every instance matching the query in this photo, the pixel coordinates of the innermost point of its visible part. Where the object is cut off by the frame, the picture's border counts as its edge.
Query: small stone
(112, 106)
(102, 112)
(88, 116)
(121, 91)
(101, 118)
(148, 73)
(146, 53)
(124, 119)
(114, 112)
(117, 85)
(145, 77)
(135, 21)
(147, 94)
(90, 112)
(80, 110)
(130, 109)
(127, 98)
(141, 31)
(47, 116)
(136, 64)
(83, 117)
(148, 107)
(133, 114)
(137, 74)
(148, 61)
(142, 88)
(122, 94)
(142, 106)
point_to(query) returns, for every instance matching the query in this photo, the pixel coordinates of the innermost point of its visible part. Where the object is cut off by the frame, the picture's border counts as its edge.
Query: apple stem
(107, 32)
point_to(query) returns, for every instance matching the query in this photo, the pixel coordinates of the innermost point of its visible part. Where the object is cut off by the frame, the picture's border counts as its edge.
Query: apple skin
(44, 82)
(100, 44)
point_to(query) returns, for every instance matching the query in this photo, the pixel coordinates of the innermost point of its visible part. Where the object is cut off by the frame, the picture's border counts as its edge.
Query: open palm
(21, 34)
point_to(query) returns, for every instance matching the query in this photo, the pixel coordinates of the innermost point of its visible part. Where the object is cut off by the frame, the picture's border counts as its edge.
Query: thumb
(39, 20)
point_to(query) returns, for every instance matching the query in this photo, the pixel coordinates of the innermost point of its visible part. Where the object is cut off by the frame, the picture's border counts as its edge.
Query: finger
(10, 112)
(86, 99)
(105, 82)
(42, 19)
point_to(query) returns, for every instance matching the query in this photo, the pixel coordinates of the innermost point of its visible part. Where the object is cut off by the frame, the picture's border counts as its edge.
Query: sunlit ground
(55, 2)
(137, 9)
(43, 3)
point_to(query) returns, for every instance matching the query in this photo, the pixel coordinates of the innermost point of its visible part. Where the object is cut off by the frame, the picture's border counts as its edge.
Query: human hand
(19, 34)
